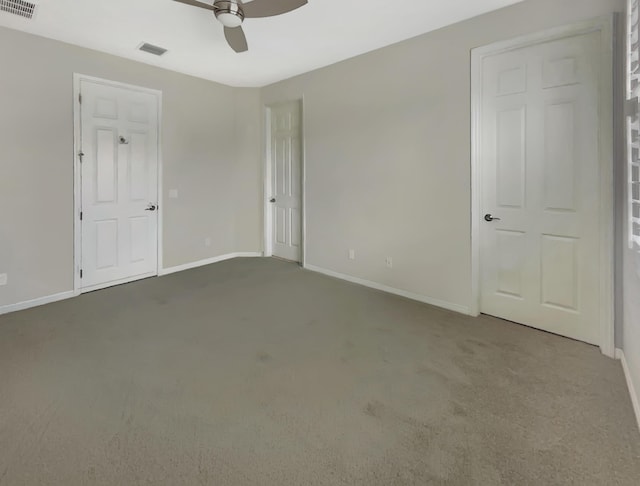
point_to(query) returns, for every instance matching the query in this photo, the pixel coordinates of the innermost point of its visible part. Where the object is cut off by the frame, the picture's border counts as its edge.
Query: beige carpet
(255, 372)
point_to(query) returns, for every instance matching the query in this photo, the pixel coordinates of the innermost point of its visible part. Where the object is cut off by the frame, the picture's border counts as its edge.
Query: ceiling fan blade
(236, 39)
(269, 8)
(196, 4)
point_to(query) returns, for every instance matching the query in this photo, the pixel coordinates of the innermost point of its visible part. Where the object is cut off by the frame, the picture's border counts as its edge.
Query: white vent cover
(18, 7)
(151, 49)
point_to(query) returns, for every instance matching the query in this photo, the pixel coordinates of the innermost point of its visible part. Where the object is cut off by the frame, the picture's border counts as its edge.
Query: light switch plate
(3, 279)
(173, 194)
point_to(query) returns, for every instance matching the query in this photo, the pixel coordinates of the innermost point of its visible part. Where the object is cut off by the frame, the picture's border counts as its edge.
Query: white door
(539, 165)
(286, 181)
(119, 174)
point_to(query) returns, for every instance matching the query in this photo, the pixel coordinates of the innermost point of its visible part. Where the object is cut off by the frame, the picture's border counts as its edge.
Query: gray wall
(631, 295)
(388, 151)
(631, 333)
(218, 179)
(248, 202)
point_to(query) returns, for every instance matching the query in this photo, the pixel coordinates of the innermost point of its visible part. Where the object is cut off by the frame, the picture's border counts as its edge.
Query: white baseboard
(208, 261)
(635, 398)
(391, 290)
(5, 309)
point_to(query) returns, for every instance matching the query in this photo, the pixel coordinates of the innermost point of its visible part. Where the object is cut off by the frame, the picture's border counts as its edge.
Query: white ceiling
(318, 34)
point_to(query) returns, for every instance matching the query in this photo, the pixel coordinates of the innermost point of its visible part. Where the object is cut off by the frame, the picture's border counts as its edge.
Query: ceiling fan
(231, 14)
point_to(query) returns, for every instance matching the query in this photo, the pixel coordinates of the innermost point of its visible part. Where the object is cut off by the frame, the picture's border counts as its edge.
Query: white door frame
(77, 179)
(268, 213)
(604, 25)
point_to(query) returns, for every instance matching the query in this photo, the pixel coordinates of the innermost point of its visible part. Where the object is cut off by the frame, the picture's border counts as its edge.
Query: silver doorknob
(272, 200)
(488, 218)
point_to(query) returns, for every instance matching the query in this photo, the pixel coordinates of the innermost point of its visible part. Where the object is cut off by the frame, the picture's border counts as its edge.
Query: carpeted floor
(255, 372)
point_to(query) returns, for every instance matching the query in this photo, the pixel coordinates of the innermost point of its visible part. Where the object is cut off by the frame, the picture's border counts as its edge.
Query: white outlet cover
(173, 194)
(352, 254)
(389, 262)
(207, 241)
(3, 279)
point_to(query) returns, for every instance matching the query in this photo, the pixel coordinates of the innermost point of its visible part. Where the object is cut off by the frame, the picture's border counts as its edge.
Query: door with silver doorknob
(119, 177)
(286, 181)
(539, 164)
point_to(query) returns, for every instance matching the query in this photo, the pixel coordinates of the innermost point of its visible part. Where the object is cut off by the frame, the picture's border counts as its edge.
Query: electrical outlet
(352, 254)
(173, 194)
(207, 241)
(389, 262)
(3, 279)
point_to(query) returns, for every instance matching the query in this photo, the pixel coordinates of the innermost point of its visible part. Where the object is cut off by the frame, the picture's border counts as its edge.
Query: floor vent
(151, 49)
(18, 7)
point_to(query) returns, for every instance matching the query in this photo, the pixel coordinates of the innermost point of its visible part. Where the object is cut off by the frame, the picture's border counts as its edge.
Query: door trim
(77, 180)
(604, 25)
(266, 169)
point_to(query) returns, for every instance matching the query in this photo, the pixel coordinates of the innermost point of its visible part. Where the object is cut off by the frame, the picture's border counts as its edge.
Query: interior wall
(202, 121)
(631, 333)
(248, 201)
(630, 272)
(387, 138)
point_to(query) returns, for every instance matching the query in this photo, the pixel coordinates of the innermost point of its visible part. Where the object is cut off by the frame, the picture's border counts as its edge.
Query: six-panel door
(119, 184)
(286, 181)
(540, 177)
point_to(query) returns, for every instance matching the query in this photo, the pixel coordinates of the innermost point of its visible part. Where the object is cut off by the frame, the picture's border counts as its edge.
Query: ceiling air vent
(18, 7)
(150, 48)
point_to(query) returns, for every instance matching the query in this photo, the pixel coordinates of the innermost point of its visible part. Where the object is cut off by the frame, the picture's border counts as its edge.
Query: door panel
(296, 230)
(281, 226)
(106, 243)
(286, 180)
(560, 157)
(138, 171)
(512, 79)
(560, 272)
(139, 234)
(119, 177)
(106, 170)
(511, 157)
(540, 177)
(511, 249)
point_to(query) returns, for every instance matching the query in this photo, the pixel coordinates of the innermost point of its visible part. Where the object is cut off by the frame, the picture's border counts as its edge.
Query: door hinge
(80, 273)
(80, 98)
(80, 215)
(80, 155)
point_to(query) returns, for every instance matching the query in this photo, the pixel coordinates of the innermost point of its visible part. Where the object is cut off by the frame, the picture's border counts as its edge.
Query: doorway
(284, 228)
(117, 178)
(542, 177)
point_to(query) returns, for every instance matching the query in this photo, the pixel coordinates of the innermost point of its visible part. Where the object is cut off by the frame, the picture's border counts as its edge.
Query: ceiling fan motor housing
(229, 13)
